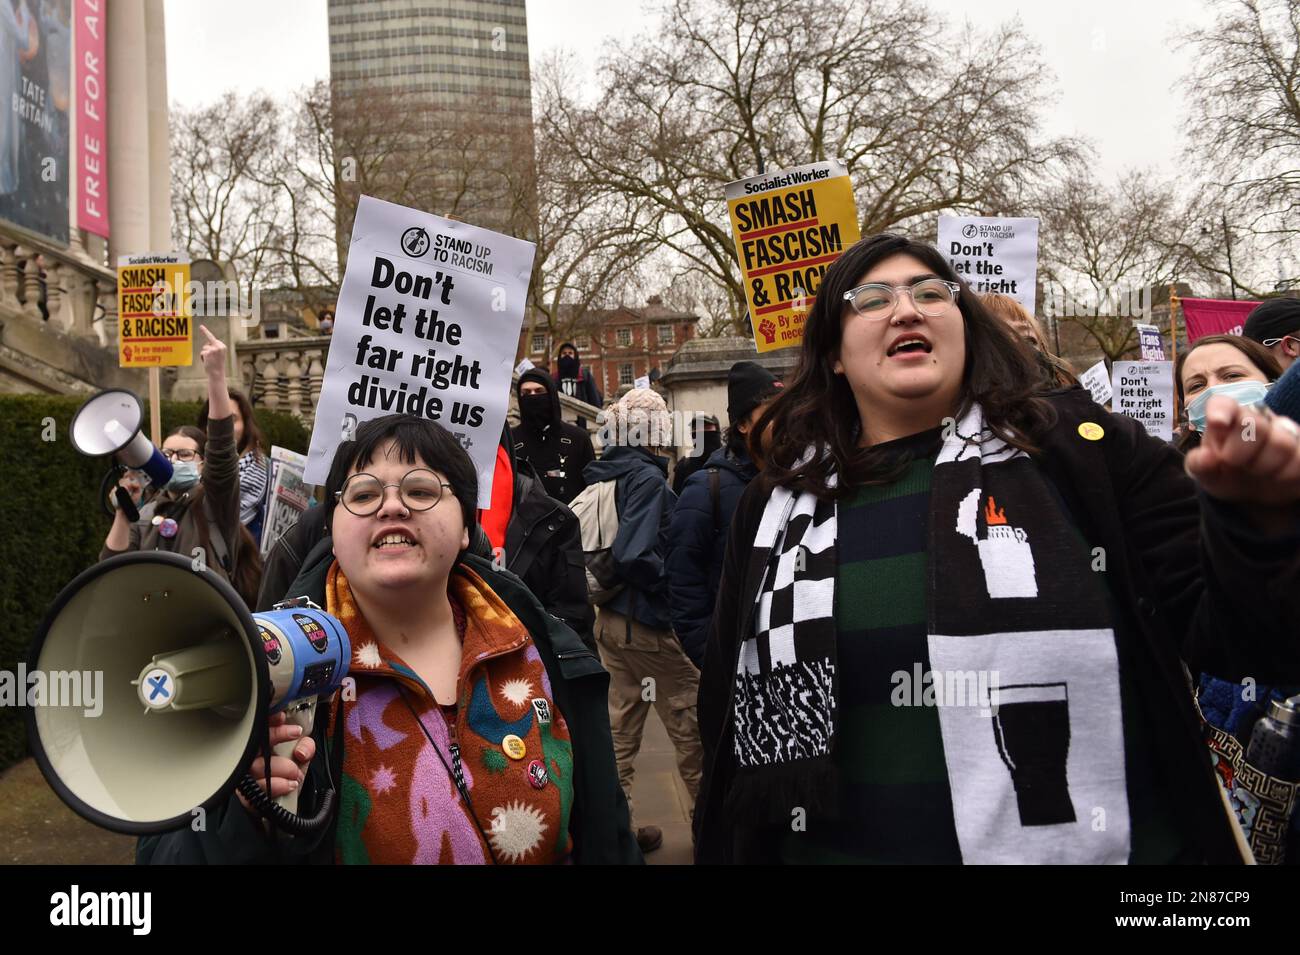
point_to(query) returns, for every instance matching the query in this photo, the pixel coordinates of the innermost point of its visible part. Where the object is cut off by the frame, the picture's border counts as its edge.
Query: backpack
(597, 511)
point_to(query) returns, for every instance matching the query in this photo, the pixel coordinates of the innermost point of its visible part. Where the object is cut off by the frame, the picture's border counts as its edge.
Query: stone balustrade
(284, 374)
(58, 319)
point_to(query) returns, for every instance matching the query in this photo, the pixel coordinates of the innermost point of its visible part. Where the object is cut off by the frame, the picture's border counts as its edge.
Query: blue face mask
(1246, 393)
(185, 474)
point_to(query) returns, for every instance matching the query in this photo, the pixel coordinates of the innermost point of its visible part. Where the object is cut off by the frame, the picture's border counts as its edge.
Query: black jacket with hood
(557, 450)
(583, 386)
(1188, 579)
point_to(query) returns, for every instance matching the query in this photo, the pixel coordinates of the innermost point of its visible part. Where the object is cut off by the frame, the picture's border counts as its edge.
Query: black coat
(697, 545)
(1189, 582)
(599, 821)
(557, 451)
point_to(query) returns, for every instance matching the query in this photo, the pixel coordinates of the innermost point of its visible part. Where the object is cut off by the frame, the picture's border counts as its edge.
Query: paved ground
(660, 795)
(35, 827)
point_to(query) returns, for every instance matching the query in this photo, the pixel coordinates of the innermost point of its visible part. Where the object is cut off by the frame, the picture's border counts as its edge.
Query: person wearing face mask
(1220, 365)
(476, 731)
(697, 536)
(957, 605)
(557, 450)
(574, 380)
(199, 507)
(1243, 370)
(705, 439)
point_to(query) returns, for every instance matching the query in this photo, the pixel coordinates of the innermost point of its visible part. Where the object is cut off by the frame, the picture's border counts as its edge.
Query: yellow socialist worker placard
(153, 308)
(790, 225)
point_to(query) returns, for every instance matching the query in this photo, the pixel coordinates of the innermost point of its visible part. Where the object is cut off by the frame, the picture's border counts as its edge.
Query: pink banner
(92, 118)
(1214, 316)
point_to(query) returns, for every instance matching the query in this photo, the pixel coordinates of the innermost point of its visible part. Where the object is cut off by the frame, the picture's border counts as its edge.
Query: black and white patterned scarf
(1017, 614)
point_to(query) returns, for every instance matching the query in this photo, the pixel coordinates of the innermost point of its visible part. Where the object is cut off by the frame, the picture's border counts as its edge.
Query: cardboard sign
(1153, 349)
(153, 308)
(993, 254)
(1145, 390)
(789, 226)
(427, 324)
(1097, 380)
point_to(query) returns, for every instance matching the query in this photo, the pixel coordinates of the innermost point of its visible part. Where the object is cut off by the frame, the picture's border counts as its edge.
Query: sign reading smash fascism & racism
(789, 225)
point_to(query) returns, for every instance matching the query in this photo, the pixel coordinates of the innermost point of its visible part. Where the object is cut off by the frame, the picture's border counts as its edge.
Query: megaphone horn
(110, 423)
(189, 678)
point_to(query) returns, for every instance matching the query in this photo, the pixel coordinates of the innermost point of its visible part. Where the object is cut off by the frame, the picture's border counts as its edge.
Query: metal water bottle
(1275, 741)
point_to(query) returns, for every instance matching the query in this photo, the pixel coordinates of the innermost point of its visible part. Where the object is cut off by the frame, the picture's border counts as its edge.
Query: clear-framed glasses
(876, 300)
(363, 494)
(184, 454)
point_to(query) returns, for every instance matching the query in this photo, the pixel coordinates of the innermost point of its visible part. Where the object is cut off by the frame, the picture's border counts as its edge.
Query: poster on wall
(35, 81)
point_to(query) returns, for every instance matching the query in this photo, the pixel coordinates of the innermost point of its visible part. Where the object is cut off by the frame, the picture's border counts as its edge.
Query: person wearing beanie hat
(557, 450)
(1275, 324)
(634, 629)
(697, 537)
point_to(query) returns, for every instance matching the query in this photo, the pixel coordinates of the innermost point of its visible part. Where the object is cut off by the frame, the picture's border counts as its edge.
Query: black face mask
(569, 366)
(535, 411)
(712, 441)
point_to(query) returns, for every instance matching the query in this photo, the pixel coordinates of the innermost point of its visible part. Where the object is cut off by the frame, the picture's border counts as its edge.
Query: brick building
(618, 345)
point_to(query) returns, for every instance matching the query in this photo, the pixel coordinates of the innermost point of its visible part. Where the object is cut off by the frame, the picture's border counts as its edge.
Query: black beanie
(748, 385)
(1276, 318)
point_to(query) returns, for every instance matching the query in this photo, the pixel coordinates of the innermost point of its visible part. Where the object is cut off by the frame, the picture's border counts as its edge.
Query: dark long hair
(252, 439)
(246, 557)
(1255, 353)
(816, 409)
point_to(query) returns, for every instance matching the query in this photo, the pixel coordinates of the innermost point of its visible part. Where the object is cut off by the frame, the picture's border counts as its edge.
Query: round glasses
(876, 300)
(184, 454)
(363, 494)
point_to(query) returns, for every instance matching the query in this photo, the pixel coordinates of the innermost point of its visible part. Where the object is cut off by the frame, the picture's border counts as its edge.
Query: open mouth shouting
(393, 540)
(909, 345)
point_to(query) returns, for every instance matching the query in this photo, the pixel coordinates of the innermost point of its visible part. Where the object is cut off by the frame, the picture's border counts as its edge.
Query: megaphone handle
(302, 713)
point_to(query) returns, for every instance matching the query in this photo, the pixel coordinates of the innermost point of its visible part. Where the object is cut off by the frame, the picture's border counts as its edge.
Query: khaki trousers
(649, 669)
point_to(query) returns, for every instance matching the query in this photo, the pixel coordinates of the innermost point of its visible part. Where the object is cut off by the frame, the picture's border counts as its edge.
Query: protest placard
(1153, 349)
(287, 498)
(153, 308)
(427, 323)
(1145, 390)
(789, 226)
(1097, 380)
(993, 254)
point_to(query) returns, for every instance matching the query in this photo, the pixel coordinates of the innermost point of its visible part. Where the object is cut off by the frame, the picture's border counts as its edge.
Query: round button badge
(1091, 431)
(168, 528)
(537, 776)
(514, 747)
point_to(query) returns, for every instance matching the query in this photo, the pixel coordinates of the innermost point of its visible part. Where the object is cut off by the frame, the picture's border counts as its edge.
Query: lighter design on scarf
(1004, 551)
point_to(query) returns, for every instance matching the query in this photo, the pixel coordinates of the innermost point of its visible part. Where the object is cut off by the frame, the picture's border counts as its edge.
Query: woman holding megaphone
(197, 513)
(474, 726)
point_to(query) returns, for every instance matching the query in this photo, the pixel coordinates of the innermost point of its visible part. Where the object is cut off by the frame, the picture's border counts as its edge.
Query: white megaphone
(189, 678)
(110, 423)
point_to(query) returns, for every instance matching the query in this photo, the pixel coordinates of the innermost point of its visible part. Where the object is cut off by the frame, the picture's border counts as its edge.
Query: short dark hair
(415, 438)
(197, 435)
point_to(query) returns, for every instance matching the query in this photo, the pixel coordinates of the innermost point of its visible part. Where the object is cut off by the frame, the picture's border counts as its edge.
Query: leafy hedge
(51, 525)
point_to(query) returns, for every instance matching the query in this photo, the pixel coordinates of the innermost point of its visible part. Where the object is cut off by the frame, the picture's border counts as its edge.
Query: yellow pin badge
(1091, 431)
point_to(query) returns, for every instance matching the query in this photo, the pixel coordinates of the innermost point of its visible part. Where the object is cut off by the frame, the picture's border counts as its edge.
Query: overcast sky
(1114, 60)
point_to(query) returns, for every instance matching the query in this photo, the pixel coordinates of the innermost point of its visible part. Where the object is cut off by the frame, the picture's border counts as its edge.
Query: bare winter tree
(927, 119)
(1106, 252)
(1243, 91)
(226, 158)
